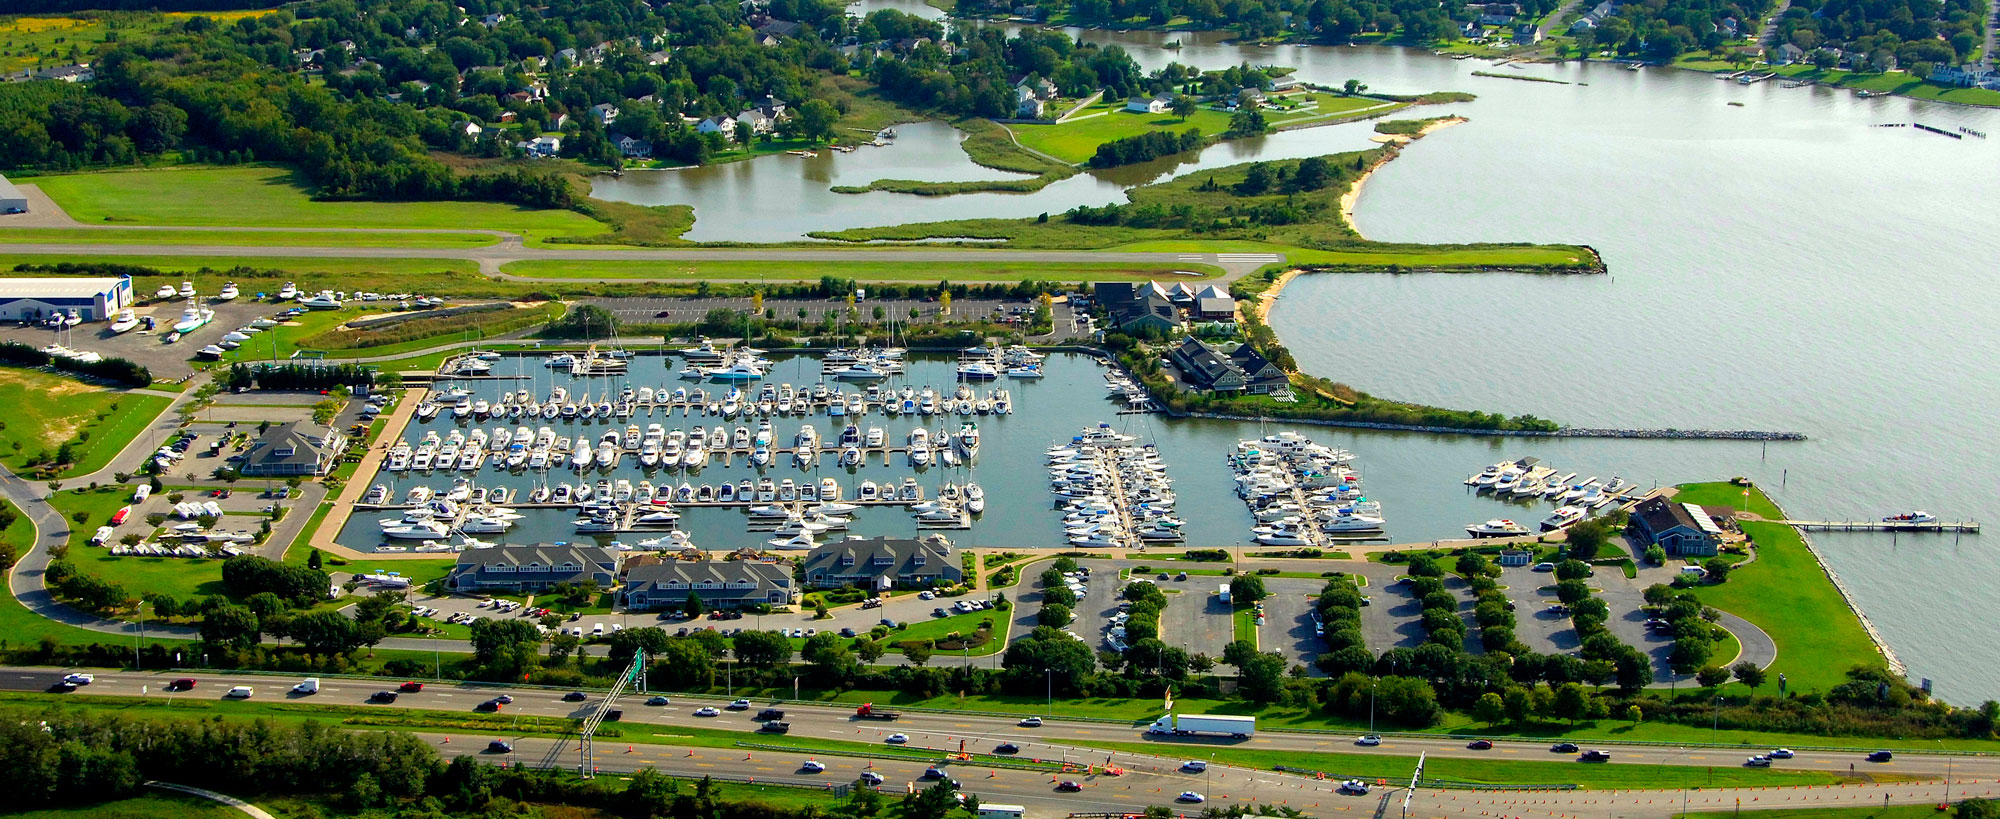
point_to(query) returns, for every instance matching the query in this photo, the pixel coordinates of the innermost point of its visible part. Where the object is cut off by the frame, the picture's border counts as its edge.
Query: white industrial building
(12, 200)
(95, 299)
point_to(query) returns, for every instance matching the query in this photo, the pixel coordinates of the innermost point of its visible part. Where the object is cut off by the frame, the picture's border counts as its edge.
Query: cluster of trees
(84, 590)
(115, 370)
(62, 125)
(1335, 21)
(1915, 34)
(247, 575)
(314, 376)
(1665, 30)
(1146, 147)
(1692, 625)
(976, 80)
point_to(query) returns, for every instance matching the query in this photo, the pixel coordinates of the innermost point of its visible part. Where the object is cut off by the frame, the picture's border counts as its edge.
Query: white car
(812, 766)
(1194, 766)
(1031, 722)
(707, 712)
(926, 596)
(1354, 786)
(1370, 740)
(1758, 761)
(1191, 796)
(897, 739)
(80, 678)
(1782, 753)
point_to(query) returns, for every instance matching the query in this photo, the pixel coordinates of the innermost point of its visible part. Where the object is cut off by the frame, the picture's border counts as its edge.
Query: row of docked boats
(1113, 491)
(1530, 480)
(656, 447)
(1302, 493)
(770, 401)
(229, 292)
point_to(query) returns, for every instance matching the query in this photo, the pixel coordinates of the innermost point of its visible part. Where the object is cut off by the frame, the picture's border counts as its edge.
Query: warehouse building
(94, 299)
(12, 200)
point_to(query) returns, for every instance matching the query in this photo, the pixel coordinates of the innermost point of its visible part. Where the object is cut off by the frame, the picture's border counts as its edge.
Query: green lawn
(1245, 617)
(1077, 138)
(177, 576)
(154, 805)
(869, 270)
(30, 39)
(1730, 495)
(248, 238)
(1786, 594)
(1894, 82)
(23, 627)
(938, 628)
(275, 197)
(55, 409)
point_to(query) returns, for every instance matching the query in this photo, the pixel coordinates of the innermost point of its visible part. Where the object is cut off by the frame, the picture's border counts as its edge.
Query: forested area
(1663, 31)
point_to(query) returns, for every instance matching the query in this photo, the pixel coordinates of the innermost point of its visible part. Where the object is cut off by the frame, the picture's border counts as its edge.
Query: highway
(947, 733)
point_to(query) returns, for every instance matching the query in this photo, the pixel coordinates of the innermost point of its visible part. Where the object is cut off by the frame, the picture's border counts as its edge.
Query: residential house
(567, 55)
(1285, 83)
(298, 448)
(1205, 369)
(542, 147)
(605, 113)
(560, 121)
(1682, 529)
(1972, 75)
(1044, 89)
(778, 28)
(1026, 104)
(1527, 33)
(724, 125)
(1133, 307)
(1600, 11)
(720, 584)
(468, 128)
(1149, 105)
(1788, 54)
(1496, 19)
(532, 568)
(75, 72)
(658, 58)
(634, 148)
(492, 20)
(883, 562)
(1213, 304)
(1260, 376)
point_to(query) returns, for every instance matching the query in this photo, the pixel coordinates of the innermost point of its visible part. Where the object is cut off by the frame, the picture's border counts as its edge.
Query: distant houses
(1162, 309)
(1158, 104)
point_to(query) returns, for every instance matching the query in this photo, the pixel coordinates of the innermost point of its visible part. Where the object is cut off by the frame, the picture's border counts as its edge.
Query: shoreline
(1867, 626)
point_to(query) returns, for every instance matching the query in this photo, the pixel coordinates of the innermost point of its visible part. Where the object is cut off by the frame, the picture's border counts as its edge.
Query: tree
(1748, 674)
(1245, 589)
(763, 648)
(1352, 87)
(1570, 702)
(1718, 569)
(1183, 106)
(1262, 677)
(1586, 538)
(918, 652)
(814, 120)
(1054, 615)
(1256, 180)
(324, 632)
(693, 606)
(1489, 708)
(230, 625)
(1571, 591)
(868, 650)
(313, 560)
(1519, 705)
(1633, 714)
(826, 651)
(1711, 677)
(1572, 570)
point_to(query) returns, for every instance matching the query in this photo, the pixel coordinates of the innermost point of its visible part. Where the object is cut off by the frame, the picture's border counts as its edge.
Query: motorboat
(977, 371)
(975, 498)
(1917, 516)
(166, 291)
(195, 316)
(1497, 527)
(1563, 517)
(228, 292)
(323, 300)
(210, 353)
(288, 292)
(125, 322)
(187, 290)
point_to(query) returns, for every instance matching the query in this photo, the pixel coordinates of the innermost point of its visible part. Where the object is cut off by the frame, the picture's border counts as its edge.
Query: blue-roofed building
(95, 299)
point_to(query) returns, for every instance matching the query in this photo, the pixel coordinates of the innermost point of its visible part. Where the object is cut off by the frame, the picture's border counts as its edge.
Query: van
(597, 629)
(241, 692)
(309, 685)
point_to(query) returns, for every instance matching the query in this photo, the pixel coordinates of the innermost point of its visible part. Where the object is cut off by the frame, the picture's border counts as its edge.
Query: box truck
(1198, 724)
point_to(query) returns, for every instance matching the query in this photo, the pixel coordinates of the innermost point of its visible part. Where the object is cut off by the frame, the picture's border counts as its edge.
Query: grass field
(154, 805)
(54, 409)
(274, 197)
(970, 270)
(1788, 596)
(23, 627)
(937, 628)
(1895, 82)
(1077, 138)
(46, 41)
(246, 238)
(1894, 812)
(1725, 494)
(178, 576)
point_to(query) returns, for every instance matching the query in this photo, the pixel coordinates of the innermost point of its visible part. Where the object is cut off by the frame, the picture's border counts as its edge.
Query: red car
(182, 684)
(1480, 745)
(1069, 786)
(410, 687)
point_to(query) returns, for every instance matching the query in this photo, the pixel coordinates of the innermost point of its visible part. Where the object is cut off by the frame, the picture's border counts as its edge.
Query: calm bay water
(1782, 264)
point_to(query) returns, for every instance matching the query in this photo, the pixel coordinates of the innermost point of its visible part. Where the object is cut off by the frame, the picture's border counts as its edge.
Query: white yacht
(228, 293)
(126, 321)
(324, 300)
(195, 316)
(1563, 517)
(1497, 527)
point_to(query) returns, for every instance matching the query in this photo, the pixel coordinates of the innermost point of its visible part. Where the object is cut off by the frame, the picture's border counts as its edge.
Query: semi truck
(869, 711)
(1199, 724)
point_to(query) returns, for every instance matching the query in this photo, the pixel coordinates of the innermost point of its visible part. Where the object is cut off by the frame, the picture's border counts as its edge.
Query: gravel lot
(167, 361)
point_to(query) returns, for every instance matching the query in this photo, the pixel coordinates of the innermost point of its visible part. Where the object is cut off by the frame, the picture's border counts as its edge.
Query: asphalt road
(511, 249)
(945, 731)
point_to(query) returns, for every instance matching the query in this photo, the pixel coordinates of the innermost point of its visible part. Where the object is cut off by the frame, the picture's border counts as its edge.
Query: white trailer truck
(1198, 724)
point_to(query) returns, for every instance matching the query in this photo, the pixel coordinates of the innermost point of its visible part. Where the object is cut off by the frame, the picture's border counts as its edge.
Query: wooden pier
(1969, 526)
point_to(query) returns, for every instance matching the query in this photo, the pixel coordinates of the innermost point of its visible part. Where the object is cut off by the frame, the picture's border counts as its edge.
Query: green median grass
(1245, 617)
(247, 238)
(936, 629)
(49, 410)
(262, 196)
(1870, 812)
(1560, 769)
(863, 270)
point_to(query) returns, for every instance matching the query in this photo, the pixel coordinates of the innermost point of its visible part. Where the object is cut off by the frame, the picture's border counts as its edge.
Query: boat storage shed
(12, 200)
(95, 299)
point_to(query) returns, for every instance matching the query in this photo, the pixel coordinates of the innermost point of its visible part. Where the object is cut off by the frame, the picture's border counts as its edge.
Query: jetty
(1967, 526)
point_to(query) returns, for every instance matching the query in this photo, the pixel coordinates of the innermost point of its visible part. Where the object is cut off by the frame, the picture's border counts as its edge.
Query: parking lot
(166, 361)
(1288, 623)
(1541, 630)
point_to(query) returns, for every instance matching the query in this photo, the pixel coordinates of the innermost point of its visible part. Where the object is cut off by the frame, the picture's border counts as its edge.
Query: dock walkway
(1969, 526)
